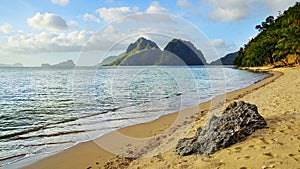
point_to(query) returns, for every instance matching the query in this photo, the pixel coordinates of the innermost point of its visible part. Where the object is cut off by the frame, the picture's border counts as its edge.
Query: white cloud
(6, 28)
(60, 2)
(184, 3)
(64, 41)
(106, 39)
(221, 46)
(277, 5)
(110, 14)
(90, 17)
(133, 15)
(48, 42)
(232, 10)
(156, 7)
(229, 10)
(72, 24)
(47, 21)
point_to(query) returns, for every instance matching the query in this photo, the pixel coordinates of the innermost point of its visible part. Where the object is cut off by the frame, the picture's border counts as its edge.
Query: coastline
(91, 155)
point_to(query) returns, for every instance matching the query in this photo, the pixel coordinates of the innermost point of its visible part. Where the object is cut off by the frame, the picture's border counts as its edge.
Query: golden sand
(275, 147)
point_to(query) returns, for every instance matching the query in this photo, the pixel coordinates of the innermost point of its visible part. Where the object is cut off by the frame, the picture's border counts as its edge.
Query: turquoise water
(44, 111)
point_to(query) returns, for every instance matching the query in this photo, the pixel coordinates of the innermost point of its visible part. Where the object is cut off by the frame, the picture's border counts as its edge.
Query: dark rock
(238, 121)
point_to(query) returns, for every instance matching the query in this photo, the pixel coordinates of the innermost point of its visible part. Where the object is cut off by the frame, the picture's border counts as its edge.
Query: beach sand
(277, 146)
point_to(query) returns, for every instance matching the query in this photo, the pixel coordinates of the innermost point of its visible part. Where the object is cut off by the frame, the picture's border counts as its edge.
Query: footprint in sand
(293, 156)
(268, 154)
(237, 149)
(263, 140)
(243, 167)
(244, 157)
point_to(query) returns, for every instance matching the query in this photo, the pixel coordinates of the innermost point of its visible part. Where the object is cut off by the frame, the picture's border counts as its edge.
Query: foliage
(278, 39)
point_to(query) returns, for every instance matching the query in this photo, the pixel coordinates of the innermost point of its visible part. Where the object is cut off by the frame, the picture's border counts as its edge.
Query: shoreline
(92, 155)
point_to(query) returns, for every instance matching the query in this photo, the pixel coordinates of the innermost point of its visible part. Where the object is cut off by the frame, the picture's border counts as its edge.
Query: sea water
(46, 110)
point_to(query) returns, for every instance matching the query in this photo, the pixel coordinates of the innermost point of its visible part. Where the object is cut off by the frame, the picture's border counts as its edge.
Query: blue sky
(50, 31)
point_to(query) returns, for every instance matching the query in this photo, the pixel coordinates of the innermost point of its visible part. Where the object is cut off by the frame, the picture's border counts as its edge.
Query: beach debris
(236, 122)
(118, 162)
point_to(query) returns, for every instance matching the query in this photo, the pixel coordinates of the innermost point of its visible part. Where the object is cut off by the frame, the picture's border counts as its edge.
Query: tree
(264, 25)
(278, 41)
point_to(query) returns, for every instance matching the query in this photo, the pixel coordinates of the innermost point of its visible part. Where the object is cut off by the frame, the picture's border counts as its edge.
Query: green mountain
(145, 52)
(143, 58)
(226, 60)
(278, 42)
(108, 60)
(137, 53)
(141, 44)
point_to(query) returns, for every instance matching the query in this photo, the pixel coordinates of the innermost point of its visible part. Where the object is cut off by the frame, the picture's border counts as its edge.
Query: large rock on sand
(238, 121)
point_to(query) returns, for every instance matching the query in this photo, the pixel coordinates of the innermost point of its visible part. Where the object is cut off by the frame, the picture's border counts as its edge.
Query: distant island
(145, 52)
(12, 65)
(68, 63)
(226, 60)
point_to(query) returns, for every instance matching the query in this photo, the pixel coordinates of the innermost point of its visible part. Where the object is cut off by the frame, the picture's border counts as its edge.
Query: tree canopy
(277, 42)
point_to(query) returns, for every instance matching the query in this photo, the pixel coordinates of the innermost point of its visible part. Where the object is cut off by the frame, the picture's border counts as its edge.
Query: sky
(33, 32)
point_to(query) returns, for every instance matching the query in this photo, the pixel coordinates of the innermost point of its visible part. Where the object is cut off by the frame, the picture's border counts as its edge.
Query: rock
(238, 121)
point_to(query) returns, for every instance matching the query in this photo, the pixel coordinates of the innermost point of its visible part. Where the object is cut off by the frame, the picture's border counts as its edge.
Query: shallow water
(43, 111)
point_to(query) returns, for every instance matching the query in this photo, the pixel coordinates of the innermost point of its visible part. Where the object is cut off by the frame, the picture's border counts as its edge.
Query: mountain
(145, 52)
(141, 52)
(141, 44)
(180, 52)
(226, 60)
(13, 65)
(143, 58)
(277, 43)
(108, 60)
(68, 63)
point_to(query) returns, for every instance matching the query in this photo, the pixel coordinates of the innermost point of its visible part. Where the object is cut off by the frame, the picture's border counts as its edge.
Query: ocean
(46, 110)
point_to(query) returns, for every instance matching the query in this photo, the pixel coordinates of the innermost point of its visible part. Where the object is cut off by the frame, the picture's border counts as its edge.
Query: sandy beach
(277, 146)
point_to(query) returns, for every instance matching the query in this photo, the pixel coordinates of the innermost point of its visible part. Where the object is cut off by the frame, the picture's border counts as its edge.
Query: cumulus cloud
(276, 5)
(221, 46)
(47, 21)
(110, 14)
(6, 28)
(64, 41)
(48, 42)
(184, 3)
(232, 10)
(156, 7)
(90, 17)
(228, 10)
(218, 43)
(60, 2)
(134, 15)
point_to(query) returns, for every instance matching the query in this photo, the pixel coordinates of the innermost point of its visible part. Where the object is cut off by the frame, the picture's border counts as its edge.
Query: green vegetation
(134, 48)
(277, 43)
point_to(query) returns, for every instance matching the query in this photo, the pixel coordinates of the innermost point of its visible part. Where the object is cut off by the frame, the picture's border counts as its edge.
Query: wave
(51, 135)
(11, 157)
